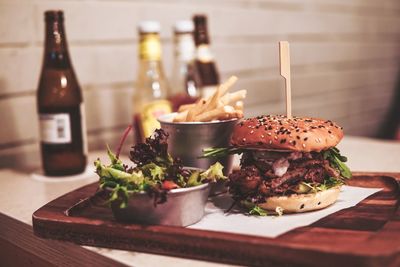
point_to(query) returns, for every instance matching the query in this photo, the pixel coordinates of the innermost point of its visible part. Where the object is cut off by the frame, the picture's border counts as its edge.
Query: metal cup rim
(165, 120)
(177, 190)
(172, 191)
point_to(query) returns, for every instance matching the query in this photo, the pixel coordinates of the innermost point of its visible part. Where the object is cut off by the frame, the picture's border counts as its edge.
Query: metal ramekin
(188, 139)
(184, 206)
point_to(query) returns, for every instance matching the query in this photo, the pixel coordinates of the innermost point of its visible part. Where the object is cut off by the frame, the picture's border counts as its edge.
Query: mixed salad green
(155, 172)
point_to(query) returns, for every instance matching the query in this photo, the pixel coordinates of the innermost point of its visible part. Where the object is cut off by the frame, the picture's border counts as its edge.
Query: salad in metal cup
(158, 176)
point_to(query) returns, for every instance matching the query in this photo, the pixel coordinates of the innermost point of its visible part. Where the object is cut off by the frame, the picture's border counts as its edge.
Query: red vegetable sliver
(168, 185)
(126, 132)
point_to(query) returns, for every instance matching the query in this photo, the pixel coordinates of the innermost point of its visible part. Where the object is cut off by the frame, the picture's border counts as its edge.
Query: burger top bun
(277, 132)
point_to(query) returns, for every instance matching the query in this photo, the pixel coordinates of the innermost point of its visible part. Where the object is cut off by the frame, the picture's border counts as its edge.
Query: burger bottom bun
(302, 202)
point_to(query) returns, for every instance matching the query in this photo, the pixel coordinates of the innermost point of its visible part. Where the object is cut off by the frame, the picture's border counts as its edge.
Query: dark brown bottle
(205, 64)
(60, 105)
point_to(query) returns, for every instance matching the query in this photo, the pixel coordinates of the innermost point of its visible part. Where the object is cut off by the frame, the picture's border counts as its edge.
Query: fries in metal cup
(222, 105)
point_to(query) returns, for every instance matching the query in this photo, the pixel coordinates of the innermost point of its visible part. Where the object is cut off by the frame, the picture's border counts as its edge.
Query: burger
(287, 164)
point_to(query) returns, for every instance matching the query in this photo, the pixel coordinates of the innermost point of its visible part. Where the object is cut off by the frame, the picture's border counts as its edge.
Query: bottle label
(55, 128)
(204, 54)
(150, 113)
(208, 91)
(150, 47)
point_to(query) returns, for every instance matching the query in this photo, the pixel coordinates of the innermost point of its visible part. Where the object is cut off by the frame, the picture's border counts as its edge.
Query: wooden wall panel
(345, 59)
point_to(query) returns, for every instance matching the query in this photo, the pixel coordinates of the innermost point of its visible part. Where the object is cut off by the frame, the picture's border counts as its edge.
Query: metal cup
(188, 139)
(184, 206)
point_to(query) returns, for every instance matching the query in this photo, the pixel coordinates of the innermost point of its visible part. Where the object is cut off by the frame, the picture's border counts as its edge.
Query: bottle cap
(54, 15)
(200, 19)
(184, 26)
(149, 26)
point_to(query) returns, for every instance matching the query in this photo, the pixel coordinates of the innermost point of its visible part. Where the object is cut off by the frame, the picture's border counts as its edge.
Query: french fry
(186, 107)
(219, 106)
(231, 98)
(221, 90)
(226, 85)
(215, 113)
(198, 107)
(237, 114)
(181, 117)
(239, 106)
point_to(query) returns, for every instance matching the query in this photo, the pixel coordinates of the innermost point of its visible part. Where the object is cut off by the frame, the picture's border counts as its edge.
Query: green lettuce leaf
(217, 152)
(194, 179)
(154, 171)
(253, 209)
(214, 173)
(337, 161)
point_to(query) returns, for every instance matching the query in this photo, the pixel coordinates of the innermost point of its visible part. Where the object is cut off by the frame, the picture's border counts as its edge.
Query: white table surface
(22, 195)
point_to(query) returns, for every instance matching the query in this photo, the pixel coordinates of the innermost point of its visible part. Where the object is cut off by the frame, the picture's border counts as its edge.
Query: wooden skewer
(284, 60)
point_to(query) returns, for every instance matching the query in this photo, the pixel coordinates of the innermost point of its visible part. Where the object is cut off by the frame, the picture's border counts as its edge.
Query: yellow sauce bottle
(151, 90)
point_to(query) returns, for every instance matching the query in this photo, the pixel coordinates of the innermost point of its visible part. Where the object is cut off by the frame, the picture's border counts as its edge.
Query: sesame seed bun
(302, 202)
(280, 133)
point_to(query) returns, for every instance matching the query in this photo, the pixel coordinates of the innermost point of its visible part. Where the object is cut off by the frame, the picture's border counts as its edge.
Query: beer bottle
(184, 78)
(205, 65)
(151, 92)
(60, 105)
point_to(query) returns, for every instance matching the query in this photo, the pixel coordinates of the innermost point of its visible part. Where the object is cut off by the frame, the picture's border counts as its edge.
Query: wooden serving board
(365, 235)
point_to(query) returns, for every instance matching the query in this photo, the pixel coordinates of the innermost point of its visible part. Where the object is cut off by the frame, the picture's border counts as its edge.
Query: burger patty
(266, 177)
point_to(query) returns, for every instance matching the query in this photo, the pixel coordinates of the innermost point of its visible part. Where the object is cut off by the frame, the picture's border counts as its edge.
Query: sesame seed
(262, 136)
(283, 141)
(270, 142)
(276, 137)
(269, 133)
(305, 138)
(252, 131)
(304, 145)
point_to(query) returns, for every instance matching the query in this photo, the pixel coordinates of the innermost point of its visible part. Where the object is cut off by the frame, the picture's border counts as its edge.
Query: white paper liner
(272, 226)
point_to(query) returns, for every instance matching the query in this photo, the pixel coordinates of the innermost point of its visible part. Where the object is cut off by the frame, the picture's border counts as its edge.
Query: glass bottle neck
(203, 54)
(200, 31)
(151, 68)
(149, 47)
(184, 47)
(56, 49)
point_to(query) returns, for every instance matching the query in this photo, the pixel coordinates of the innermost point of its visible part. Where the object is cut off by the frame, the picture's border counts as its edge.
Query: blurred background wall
(345, 59)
